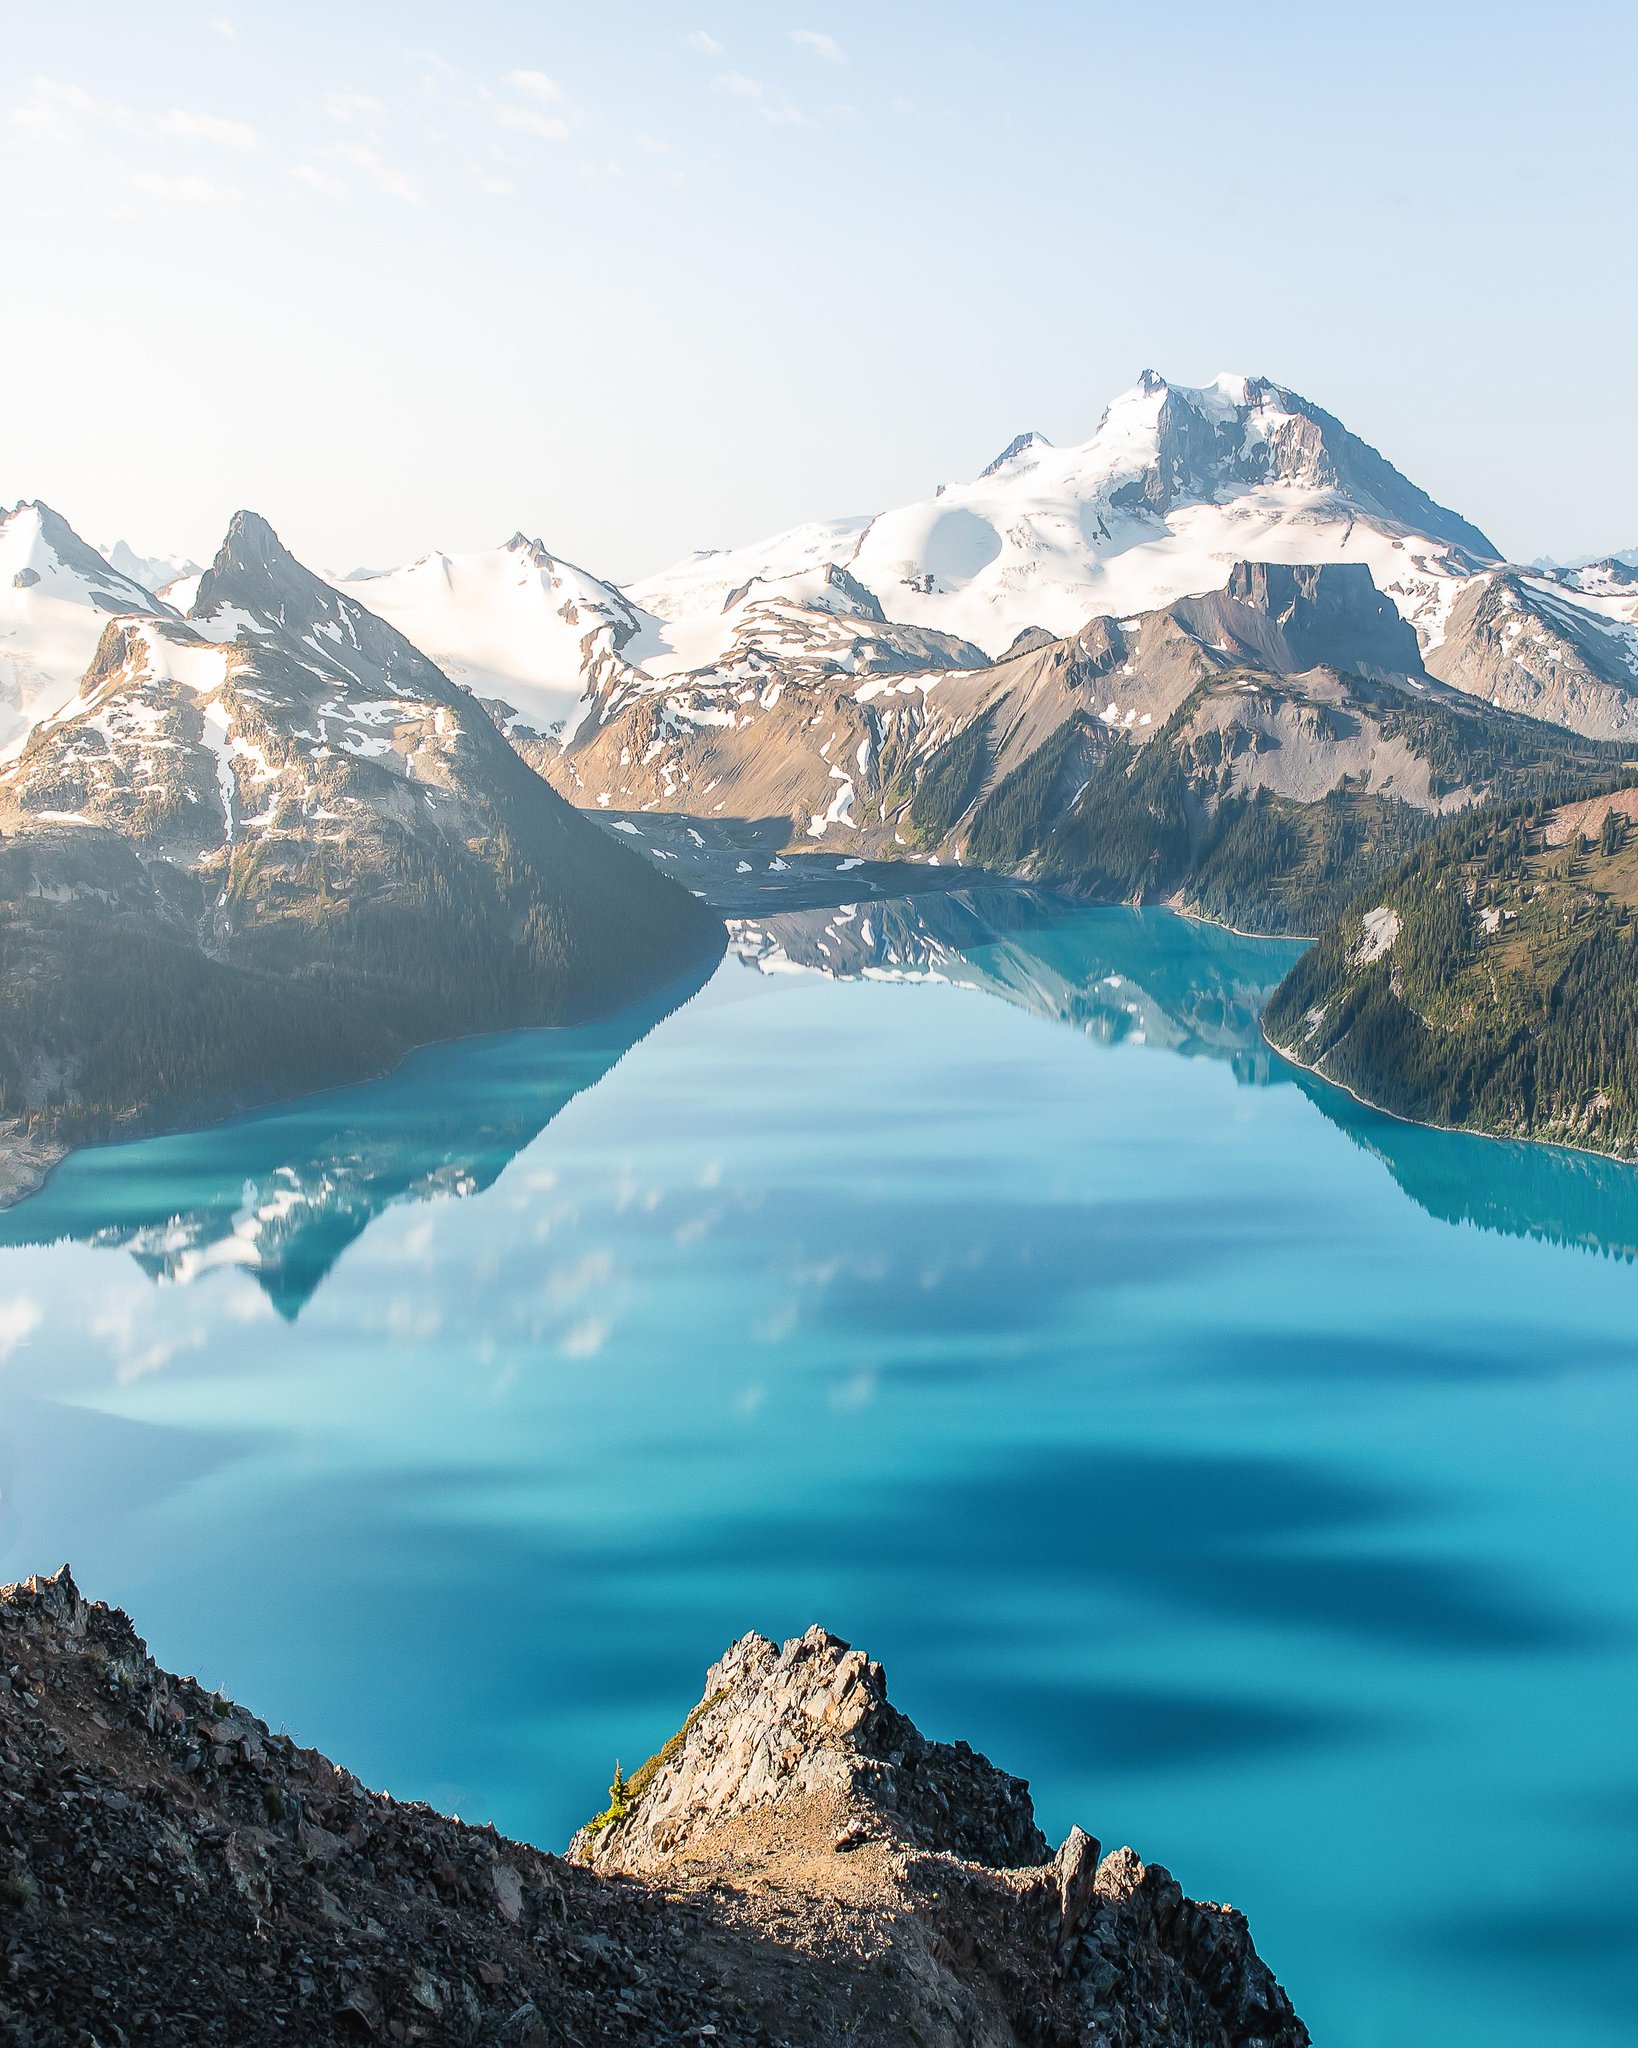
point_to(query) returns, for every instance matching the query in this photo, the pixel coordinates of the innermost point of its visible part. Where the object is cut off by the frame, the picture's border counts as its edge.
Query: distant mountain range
(1223, 654)
(1175, 487)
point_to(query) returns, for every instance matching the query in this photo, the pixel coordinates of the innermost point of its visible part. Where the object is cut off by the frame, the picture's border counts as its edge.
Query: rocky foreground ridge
(797, 1866)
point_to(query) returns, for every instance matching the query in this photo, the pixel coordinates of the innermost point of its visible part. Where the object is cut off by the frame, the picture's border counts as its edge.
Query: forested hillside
(1490, 983)
(1251, 805)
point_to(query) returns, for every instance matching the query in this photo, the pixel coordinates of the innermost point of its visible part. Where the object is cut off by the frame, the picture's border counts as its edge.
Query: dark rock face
(170, 1871)
(1309, 615)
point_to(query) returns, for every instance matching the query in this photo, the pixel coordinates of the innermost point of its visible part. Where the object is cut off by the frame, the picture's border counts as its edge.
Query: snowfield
(56, 596)
(514, 622)
(1176, 485)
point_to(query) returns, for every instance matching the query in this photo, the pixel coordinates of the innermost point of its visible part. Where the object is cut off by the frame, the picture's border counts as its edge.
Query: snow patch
(1380, 928)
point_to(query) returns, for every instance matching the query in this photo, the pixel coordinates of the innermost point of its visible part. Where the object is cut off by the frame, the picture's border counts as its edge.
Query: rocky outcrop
(1296, 616)
(843, 748)
(812, 1720)
(799, 1867)
(795, 1758)
(1520, 643)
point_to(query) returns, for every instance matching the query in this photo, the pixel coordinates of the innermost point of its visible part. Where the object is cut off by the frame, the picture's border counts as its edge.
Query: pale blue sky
(642, 278)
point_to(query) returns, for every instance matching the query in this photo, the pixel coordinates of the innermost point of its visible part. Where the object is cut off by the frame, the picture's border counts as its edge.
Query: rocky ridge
(801, 1867)
(56, 595)
(1563, 649)
(843, 754)
(1296, 686)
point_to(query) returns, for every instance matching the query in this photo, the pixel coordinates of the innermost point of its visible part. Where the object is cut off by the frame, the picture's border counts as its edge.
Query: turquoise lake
(1254, 1474)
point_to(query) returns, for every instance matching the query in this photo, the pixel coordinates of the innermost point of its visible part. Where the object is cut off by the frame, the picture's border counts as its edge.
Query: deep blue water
(1253, 1473)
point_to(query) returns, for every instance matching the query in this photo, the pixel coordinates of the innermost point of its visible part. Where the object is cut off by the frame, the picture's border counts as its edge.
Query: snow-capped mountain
(845, 752)
(271, 845)
(56, 595)
(1176, 485)
(157, 573)
(514, 623)
(1610, 575)
(278, 705)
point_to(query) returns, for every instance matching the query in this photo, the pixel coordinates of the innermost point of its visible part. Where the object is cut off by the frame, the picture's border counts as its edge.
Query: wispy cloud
(319, 181)
(220, 26)
(51, 113)
(122, 1327)
(436, 71)
(352, 109)
(382, 175)
(213, 128)
(707, 45)
(586, 1339)
(535, 85)
(819, 43)
(530, 121)
(19, 1319)
(162, 189)
(770, 111)
(522, 107)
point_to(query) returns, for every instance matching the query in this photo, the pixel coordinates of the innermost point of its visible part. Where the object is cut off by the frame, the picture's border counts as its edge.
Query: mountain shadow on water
(283, 1192)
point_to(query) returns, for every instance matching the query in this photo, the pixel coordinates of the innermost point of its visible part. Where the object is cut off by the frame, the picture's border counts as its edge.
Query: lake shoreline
(1422, 1123)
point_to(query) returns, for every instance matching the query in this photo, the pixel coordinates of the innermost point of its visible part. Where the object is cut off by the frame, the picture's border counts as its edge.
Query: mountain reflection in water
(1121, 976)
(282, 1193)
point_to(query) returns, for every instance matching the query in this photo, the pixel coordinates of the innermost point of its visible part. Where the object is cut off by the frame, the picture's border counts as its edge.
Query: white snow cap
(1177, 484)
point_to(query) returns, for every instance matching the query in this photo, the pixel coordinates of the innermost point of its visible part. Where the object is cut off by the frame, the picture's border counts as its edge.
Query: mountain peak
(1172, 444)
(40, 550)
(1014, 448)
(250, 538)
(252, 569)
(153, 572)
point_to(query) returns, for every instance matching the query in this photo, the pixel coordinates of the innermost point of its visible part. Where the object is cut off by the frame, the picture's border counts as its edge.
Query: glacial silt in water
(1253, 1472)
